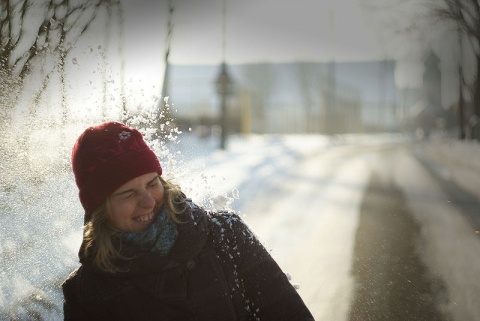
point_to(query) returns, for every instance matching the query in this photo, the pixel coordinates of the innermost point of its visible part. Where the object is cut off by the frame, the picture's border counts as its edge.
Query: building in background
(424, 111)
(301, 97)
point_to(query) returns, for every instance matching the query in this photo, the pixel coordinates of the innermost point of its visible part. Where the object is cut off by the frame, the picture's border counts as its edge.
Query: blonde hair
(98, 233)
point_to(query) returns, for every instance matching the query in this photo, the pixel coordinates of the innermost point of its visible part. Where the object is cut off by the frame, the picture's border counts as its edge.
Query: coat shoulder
(230, 225)
(72, 280)
(72, 303)
(74, 286)
(81, 286)
(226, 220)
(84, 296)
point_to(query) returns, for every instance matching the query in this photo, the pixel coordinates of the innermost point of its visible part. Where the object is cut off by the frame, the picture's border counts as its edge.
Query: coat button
(191, 265)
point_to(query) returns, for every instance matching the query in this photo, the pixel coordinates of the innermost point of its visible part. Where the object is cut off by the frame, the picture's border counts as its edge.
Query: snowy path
(310, 225)
(301, 195)
(309, 220)
(450, 246)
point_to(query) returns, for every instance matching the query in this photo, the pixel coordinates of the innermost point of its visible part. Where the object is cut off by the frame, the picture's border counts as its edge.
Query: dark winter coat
(217, 270)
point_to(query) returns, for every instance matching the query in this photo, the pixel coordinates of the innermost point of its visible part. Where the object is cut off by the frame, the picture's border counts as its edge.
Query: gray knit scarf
(159, 237)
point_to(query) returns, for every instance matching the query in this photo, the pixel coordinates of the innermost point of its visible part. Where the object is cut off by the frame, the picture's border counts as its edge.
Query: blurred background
(316, 118)
(350, 66)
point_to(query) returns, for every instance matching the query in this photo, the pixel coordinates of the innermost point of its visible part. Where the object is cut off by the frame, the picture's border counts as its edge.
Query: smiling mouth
(144, 218)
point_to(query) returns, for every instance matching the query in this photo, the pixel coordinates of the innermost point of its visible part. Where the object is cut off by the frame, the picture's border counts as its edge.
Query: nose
(147, 200)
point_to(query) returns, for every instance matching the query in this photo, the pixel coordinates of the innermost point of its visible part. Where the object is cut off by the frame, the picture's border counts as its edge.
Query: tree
(36, 37)
(431, 23)
(24, 38)
(465, 14)
(32, 30)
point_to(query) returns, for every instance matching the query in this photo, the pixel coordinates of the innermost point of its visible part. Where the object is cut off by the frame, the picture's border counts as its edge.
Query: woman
(149, 253)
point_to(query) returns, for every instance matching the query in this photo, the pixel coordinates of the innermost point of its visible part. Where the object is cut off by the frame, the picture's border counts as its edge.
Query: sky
(267, 30)
(255, 31)
(250, 31)
(247, 31)
(280, 31)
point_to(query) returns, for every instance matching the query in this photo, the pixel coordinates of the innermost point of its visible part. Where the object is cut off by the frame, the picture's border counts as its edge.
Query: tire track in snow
(450, 248)
(392, 282)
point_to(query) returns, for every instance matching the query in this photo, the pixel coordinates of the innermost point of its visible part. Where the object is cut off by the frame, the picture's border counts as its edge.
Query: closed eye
(126, 194)
(154, 182)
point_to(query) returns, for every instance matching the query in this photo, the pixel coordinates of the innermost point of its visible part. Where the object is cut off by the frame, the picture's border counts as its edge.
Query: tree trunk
(461, 105)
(476, 89)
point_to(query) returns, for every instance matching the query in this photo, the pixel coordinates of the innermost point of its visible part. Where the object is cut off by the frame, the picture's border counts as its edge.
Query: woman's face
(134, 204)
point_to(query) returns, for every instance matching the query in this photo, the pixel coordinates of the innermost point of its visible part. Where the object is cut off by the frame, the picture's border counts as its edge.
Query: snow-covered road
(310, 223)
(304, 196)
(308, 216)
(450, 246)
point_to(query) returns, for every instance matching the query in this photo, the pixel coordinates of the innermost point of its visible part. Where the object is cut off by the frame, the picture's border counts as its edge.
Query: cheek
(119, 212)
(158, 195)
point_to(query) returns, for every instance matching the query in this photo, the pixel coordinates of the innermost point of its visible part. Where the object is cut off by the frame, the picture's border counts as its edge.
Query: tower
(432, 79)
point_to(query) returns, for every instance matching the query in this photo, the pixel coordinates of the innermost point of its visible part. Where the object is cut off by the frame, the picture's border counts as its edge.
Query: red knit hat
(107, 156)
